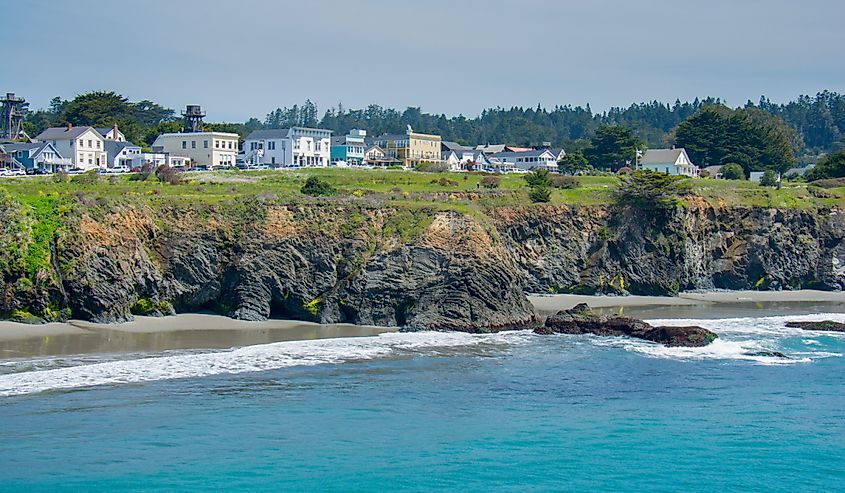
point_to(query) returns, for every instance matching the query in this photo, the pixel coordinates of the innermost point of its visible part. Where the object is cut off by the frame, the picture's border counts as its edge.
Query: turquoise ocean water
(418, 412)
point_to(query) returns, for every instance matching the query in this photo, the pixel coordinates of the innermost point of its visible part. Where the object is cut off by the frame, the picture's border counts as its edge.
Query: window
(193, 144)
(271, 145)
(184, 144)
(217, 145)
(98, 144)
(90, 145)
(230, 144)
(81, 143)
(205, 144)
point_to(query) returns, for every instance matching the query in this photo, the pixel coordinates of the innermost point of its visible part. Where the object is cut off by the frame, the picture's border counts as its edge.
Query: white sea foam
(246, 360)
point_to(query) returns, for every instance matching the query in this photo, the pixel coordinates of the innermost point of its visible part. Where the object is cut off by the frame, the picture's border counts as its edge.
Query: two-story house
(207, 149)
(671, 161)
(529, 160)
(289, 147)
(36, 155)
(123, 154)
(412, 148)
(349, 148)
(84, 146)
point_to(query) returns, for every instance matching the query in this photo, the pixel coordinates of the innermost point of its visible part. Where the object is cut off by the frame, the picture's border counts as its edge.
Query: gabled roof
(274, 133)
(491, 148)
(663, 156)
(105, 130)
(64, 133)
(35, 148)
(113, 147)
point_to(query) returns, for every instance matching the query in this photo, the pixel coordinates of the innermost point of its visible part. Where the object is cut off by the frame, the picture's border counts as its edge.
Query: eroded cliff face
(602, 250)
(414, 269)
(316, 263)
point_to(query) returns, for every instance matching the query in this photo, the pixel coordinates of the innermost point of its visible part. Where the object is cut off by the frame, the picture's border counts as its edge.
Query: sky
(244, 58)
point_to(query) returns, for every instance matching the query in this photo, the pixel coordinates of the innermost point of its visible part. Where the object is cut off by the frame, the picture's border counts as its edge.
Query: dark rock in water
(768, 354)
(582, 320)
(680, 336)
(826, 326)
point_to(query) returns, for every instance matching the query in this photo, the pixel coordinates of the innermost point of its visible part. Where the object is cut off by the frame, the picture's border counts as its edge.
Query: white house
(296, 146)
(84, 146)
(671, 161)
(529, 160)
(211, 149)
(122, 154)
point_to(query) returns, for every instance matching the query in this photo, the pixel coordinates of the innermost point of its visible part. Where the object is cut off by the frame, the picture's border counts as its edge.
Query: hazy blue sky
(243, 58)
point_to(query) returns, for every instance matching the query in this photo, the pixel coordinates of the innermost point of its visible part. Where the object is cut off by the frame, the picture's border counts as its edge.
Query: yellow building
(411, 148)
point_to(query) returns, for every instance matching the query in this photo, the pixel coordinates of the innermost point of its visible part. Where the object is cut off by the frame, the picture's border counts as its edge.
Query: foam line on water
(244, 360)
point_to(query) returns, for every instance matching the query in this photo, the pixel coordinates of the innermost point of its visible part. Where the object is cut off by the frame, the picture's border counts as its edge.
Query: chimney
(69, 127)
(116, 132)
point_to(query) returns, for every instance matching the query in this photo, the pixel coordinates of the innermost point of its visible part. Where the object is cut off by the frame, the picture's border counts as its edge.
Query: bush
(490, 182)
(769, 179)
(61, 177)
(652, 190)
(540, 194)
(733, 171)
(564, 181)
(538, 178)
(90, 177)
(432, 167)
(166, 174)
(829, 183)
(316, 187)
(444, 182)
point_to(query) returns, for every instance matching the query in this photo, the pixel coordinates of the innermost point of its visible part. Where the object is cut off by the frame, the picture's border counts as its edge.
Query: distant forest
(818, 121)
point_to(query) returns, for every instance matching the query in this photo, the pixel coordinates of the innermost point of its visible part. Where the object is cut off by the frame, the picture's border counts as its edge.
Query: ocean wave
(250, 359)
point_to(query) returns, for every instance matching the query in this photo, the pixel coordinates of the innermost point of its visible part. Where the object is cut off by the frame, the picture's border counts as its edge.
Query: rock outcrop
(825, 326)
(582, 320)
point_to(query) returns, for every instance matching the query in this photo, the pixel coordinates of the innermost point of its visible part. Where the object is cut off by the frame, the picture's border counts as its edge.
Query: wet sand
(147, 334)
(717, 304)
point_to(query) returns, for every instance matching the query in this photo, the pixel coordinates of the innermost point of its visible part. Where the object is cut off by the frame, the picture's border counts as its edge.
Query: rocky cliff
(417, 269)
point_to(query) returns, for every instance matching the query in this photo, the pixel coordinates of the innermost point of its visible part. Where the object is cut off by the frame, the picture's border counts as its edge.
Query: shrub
(769, 179)
(444, 182)
(88, 178)
(538, 178)
(564, 181)
(61, 177)
(652, 190)
(166, 174)
(316, 187)
(733, 171)
(432, 167)
(540, 194)
(490, 182)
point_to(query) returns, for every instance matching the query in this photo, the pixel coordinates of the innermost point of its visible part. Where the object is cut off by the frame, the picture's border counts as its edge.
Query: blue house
(37, 155)
(349, 148)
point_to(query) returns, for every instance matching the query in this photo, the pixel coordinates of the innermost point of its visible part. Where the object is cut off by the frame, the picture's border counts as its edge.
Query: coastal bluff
(414, 268)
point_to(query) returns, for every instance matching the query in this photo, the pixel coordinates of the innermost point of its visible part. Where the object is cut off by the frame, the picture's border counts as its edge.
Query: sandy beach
(146, 334)
(198, 331)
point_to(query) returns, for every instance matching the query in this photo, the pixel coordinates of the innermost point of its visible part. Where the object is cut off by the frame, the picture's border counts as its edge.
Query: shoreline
(203, 331)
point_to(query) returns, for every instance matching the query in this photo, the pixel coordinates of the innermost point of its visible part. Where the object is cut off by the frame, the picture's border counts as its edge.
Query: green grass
(460, 192)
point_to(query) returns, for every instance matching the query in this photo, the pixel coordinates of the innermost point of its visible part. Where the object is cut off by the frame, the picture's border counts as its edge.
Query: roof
(531, 153)
(113, 147)
(22, 146)
(105, 130)
(273, 133)
(662, 156)
(63, 133)
(392, 137)
(491, 148)
(454, 146)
